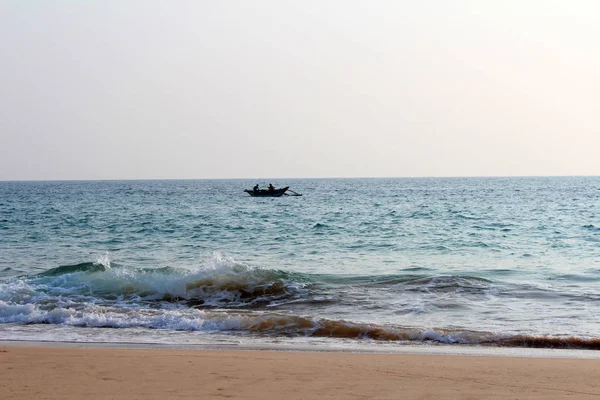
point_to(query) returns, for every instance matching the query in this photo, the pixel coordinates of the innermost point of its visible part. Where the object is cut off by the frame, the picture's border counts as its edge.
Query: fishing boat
(267, 192)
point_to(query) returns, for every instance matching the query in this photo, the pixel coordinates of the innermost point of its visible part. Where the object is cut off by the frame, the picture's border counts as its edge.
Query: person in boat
(271, 188)
(255, 188)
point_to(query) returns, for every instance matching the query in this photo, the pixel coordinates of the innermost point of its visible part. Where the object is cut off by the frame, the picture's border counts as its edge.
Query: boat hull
(267, 193)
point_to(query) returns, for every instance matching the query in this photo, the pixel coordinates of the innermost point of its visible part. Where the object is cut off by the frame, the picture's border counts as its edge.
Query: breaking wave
(220, 282)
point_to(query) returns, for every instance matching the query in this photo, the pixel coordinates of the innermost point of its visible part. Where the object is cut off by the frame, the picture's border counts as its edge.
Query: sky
(147, 89)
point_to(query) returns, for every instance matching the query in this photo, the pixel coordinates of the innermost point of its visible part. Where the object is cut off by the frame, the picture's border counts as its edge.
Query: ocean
(500, 262)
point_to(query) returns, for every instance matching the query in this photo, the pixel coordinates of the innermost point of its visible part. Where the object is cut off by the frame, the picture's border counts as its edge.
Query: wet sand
(47, 372)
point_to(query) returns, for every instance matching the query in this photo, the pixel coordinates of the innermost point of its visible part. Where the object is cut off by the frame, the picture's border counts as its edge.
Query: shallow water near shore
(509, 262)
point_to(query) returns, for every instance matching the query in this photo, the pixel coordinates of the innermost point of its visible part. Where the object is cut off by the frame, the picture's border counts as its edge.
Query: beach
(52, 372)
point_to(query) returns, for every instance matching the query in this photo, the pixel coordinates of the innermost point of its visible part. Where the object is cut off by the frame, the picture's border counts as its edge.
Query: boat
(267, 192)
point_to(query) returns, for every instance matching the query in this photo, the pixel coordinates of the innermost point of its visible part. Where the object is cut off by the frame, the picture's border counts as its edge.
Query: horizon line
(296, 178)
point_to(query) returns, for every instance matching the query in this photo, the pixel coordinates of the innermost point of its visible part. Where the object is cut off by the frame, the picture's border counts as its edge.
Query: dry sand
(94, 373)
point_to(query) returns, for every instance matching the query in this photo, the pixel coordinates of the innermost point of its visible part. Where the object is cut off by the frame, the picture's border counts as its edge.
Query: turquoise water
(501, 261)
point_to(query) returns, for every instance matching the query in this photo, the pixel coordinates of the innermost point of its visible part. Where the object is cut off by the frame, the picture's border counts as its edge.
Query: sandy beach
(46, 372)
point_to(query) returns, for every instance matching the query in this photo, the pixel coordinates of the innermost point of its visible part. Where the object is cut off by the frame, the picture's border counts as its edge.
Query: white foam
(104, 260)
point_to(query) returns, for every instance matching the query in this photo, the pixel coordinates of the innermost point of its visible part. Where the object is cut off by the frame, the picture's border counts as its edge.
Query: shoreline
(74, 372)
(342, 348)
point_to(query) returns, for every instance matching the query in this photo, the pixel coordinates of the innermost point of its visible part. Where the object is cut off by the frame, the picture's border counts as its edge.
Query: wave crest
(218, 282)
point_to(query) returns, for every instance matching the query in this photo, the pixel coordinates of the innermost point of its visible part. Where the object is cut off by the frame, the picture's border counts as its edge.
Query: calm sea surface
(490, 261)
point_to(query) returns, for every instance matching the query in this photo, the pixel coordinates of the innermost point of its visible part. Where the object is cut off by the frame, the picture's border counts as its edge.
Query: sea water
(389, 262)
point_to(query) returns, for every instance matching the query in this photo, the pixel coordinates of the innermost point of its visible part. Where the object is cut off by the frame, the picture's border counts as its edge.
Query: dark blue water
(480, 260)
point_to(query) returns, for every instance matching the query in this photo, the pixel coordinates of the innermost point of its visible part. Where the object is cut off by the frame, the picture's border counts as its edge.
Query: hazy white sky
(272, 89)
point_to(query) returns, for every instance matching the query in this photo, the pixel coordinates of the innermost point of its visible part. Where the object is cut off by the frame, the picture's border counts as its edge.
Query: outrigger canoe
(267, 192)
